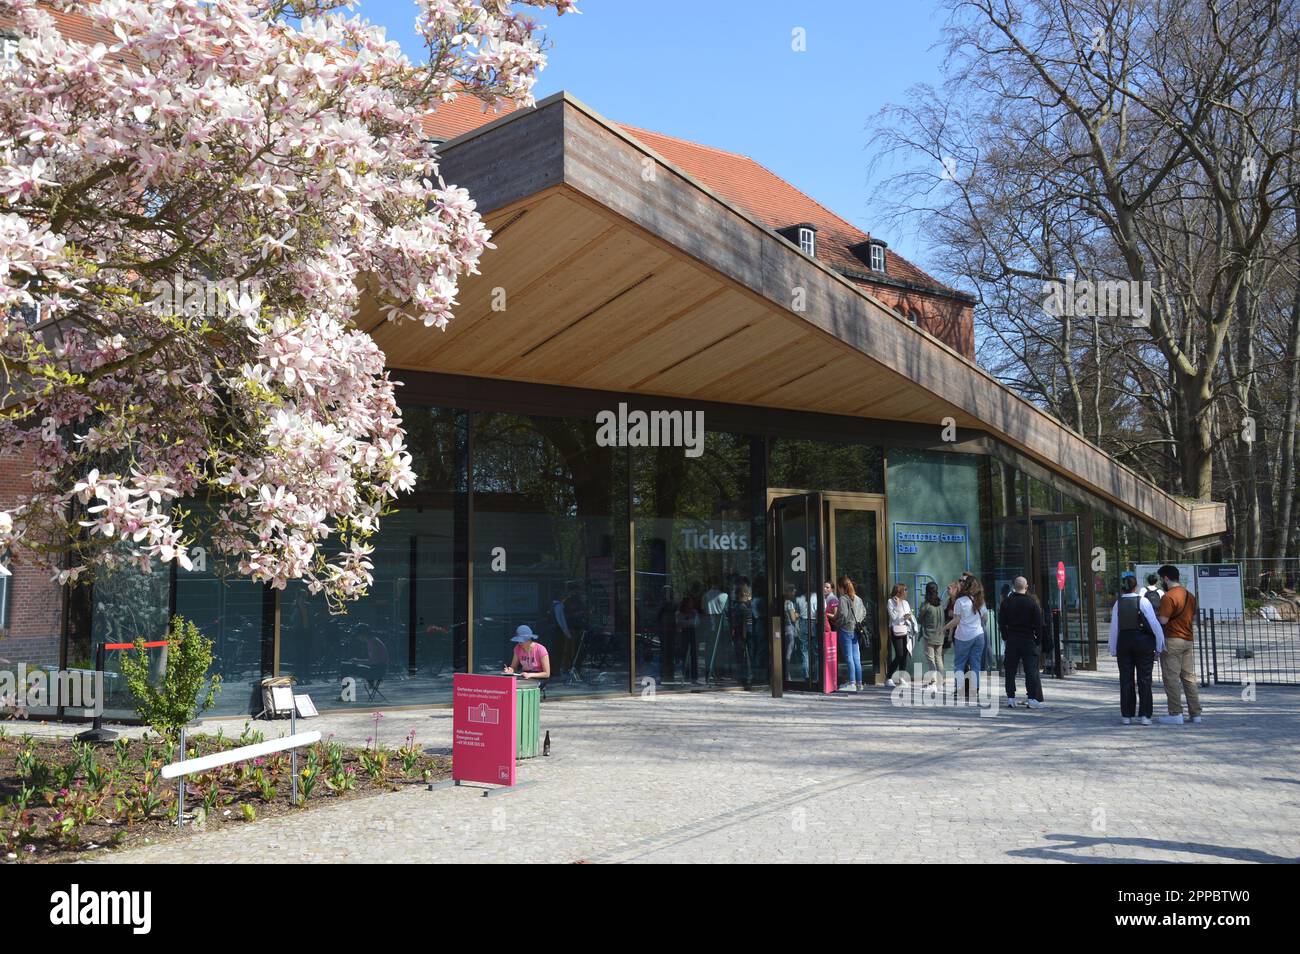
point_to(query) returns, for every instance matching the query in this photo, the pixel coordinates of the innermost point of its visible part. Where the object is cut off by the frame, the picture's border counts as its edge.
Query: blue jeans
(968, 651)
(852, 655)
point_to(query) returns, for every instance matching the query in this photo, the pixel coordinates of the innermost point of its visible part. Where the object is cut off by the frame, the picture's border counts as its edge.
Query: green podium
(528, 718)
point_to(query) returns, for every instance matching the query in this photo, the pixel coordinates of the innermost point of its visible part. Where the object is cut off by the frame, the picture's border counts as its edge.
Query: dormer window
(807, 240)
(871, 252)
(803, 234)
(877, 259)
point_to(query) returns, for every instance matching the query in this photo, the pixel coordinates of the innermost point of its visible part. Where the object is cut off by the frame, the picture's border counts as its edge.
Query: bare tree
(1080, 146)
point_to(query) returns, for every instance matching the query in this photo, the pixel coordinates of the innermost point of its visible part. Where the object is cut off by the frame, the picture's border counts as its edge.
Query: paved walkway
(743, 777)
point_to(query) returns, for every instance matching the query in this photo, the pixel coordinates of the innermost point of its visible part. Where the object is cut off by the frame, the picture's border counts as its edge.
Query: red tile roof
(460, 116)
(739, 180)
(74, 26)
(773, 201)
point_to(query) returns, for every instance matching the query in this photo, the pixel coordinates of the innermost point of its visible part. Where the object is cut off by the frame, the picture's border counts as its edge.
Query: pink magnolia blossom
(187, 216)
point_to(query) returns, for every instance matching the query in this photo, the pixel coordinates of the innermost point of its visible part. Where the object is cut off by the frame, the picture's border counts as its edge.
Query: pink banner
(483, 729)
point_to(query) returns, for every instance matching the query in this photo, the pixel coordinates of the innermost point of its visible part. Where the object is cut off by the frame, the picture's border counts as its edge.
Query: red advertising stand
(484, 737)
(831, 662)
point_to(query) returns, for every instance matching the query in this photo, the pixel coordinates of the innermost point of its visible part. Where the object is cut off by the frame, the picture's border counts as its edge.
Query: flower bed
(61, 799)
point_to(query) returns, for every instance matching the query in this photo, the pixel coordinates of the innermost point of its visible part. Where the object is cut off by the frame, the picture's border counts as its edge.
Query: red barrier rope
(154, 645)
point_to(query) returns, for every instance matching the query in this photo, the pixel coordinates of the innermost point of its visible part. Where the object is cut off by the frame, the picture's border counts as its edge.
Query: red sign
(1060, 576)
(484, 743)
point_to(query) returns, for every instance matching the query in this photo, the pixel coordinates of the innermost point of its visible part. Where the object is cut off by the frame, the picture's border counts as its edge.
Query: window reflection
(549, 520)
(701, 586)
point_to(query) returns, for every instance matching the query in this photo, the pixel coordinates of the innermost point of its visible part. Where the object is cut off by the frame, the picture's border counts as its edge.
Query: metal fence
(1237, 648)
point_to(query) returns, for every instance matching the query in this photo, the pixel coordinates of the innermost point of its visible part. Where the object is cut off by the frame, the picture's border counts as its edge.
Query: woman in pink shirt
(530, 658)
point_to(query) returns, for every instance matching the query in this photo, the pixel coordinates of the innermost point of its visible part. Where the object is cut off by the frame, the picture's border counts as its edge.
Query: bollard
(180, 790)
(97, 732)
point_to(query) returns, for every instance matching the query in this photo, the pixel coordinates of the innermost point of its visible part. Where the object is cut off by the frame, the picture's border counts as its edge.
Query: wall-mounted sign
(919, 538)
(483, 743)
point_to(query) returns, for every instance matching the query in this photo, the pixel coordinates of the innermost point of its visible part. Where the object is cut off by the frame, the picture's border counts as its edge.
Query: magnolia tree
(190, 211)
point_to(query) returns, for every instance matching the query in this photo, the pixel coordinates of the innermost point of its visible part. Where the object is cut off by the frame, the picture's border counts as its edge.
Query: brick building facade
(29, 631)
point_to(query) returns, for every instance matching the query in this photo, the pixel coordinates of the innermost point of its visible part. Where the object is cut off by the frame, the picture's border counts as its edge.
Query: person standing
(850, 613)
(743, 624)
(901, 622)
(930, 618)
(791, 631)
(1178, 662)
(831, 606)
(967, 627)
(1021, 619)
(1153, 593)
(688, 619)
(1136, 636)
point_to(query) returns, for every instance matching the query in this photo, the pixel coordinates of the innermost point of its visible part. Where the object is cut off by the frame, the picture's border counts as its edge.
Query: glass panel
(855, 534)
(1058, 543)
(799, 583)
(550, 549)
(399, 644)
(934, 531)
(228, 609)
(826, 465)
(371, 654)
(701, 581)
(128, 603)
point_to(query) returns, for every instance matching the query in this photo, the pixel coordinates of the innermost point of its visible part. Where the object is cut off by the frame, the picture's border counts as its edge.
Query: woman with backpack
(850, 613)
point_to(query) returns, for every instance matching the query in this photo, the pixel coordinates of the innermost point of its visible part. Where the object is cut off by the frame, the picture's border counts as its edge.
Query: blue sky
(723, 72)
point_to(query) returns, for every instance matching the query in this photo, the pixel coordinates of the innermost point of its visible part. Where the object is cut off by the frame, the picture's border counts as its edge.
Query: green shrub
(176, 699)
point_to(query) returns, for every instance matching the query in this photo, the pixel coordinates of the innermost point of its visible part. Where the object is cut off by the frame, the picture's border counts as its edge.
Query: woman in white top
(901, 622)
(968, 616)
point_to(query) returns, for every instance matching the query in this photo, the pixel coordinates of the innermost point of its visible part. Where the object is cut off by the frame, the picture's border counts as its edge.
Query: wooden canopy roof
(618, 272)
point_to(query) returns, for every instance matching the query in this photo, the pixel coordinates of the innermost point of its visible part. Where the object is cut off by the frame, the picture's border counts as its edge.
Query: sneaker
(1126, 721)
(890, 682)
(1196, 720)
(1035, 704)
(1145, 720)
(1172, 720)
(847, 687)
(858, 687)
(1010, 702)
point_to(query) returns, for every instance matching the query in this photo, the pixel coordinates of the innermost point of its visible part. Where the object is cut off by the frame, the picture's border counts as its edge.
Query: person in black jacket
(1021, 620)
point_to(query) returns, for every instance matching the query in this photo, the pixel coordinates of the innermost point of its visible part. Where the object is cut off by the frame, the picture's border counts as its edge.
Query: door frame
(832, 501)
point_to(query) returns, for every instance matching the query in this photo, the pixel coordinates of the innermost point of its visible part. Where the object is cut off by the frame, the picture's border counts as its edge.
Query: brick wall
(31, 632)
(950, 320)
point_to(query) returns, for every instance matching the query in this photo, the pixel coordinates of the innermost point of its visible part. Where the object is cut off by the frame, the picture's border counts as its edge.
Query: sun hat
(523, 634)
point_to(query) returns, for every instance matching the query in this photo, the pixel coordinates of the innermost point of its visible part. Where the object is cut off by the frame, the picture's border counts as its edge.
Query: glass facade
(934, 527)
(636, 566)
(701, 578)
(550, 548)
(396, 645)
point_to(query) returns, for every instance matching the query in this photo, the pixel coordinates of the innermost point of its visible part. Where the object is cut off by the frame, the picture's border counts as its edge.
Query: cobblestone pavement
(743, 777)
